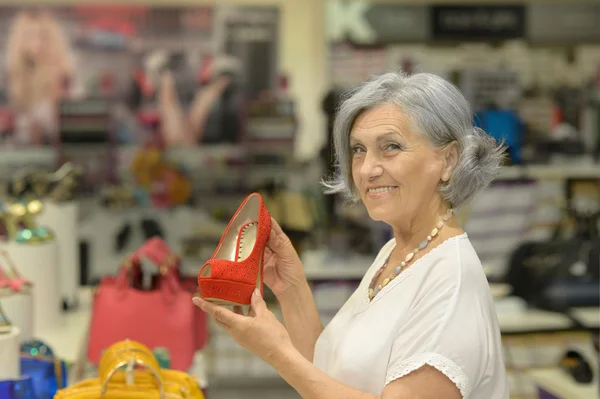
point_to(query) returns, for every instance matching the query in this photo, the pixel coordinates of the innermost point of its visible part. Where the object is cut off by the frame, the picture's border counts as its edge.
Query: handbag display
(48, 374)
(129, 370)
(163, 316)
(561, 273)
(156, 250)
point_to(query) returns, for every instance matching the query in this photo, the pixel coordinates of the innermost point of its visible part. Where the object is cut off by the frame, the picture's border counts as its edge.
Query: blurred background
(157, 119)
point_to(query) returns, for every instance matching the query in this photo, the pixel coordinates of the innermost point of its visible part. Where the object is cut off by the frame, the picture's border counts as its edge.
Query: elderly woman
(422, 323)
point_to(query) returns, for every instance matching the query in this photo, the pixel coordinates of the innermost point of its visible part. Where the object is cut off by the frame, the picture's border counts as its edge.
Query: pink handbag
(156, 250)
(162, 317)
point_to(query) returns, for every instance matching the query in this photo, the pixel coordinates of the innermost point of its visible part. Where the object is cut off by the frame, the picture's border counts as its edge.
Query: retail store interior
(137, 126)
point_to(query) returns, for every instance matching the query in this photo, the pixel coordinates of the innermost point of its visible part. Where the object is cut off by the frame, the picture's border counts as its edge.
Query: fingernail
(257, 292)
(197, 301)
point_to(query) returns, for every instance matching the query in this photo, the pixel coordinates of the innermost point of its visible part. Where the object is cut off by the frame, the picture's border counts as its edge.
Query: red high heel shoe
(236, 268)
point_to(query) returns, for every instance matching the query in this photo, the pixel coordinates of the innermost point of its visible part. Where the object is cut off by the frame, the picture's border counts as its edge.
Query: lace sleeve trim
(441, 363)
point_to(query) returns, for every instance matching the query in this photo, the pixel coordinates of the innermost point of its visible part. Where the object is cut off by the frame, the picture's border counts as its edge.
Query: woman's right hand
(283, 270)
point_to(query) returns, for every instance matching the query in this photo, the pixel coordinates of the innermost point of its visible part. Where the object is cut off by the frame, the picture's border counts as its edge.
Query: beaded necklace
(373, 291)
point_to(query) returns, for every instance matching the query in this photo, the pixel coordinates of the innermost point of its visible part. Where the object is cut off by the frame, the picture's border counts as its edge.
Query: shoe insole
(246, 241)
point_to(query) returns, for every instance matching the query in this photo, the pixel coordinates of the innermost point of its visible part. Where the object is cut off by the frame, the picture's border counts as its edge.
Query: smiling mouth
(381, 190)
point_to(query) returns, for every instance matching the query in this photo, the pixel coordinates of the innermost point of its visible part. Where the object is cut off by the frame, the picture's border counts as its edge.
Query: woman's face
(394, 168)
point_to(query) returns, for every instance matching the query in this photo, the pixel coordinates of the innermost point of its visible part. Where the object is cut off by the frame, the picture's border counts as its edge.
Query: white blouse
(438, 312)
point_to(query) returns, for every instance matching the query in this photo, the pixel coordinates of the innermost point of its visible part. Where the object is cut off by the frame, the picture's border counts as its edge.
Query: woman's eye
(392, 147)
(357, 149)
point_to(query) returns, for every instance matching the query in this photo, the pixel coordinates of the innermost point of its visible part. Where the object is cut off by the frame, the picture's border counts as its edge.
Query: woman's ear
(450, 160)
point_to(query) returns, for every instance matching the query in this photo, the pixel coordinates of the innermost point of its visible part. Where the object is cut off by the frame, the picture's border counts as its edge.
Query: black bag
(559, 274)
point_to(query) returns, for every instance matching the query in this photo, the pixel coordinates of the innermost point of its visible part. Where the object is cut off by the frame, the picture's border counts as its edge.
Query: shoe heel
(237, 293)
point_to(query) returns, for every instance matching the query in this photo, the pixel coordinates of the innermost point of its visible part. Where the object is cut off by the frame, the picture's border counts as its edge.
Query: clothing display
(432, 323)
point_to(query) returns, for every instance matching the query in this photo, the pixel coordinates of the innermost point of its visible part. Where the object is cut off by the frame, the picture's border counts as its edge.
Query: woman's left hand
(260, 331)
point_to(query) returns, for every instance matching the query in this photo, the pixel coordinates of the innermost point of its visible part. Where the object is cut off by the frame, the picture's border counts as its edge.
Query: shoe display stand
(10, 368)
(38, 263)
(18, 307)
(62, 219)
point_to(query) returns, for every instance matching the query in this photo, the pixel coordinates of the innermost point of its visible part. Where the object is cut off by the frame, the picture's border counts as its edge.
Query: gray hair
(440, 112)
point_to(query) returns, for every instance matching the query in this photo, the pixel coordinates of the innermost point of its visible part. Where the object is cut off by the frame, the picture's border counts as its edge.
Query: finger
(268, 253)
(276, 227)
(277, 238)
(272, 241)
(219, 314)
(258, 307)
(269, 258)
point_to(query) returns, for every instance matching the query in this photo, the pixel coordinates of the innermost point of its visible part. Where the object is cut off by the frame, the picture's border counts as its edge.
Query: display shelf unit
(550, 172)
(14, 159)
(24, 156)
(589, 317)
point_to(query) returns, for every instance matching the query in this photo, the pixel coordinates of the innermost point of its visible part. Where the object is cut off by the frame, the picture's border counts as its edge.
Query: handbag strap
(127, 346)
(128, 354)
(159, 254)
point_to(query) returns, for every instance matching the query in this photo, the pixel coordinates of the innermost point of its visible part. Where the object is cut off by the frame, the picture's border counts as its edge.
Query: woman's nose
(371, 166)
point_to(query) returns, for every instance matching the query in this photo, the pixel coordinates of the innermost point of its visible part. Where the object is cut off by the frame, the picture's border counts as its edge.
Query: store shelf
(500, 290)
(531, 320)
(26, 156)
(589, 317)
(550, 172)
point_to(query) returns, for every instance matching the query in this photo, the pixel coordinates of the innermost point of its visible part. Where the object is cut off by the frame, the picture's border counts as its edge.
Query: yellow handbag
(129, 370)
